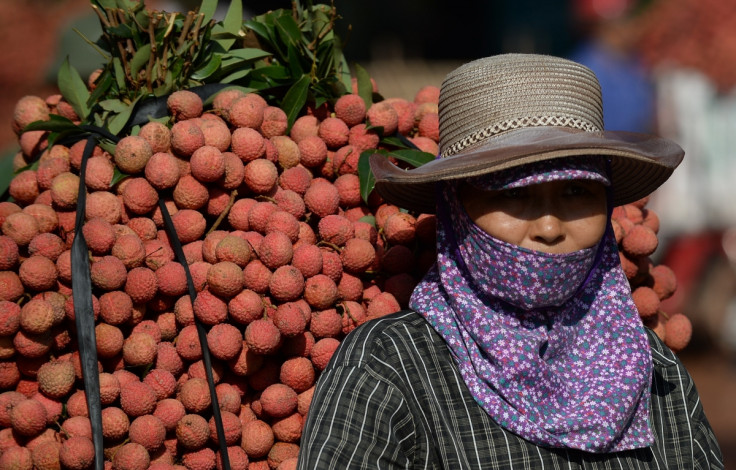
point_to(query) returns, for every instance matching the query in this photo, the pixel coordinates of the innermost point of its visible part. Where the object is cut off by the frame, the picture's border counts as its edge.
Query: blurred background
(666, 67)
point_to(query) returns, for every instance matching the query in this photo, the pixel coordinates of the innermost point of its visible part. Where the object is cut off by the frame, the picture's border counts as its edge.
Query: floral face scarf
(550, 345)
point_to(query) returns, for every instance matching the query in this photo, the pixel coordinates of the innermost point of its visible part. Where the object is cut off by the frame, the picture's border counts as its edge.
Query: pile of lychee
(284, 254)
(636, 228)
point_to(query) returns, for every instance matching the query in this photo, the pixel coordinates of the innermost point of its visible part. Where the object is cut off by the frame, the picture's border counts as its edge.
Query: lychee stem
(330, 244)
(346, 310)
(225, 211)
(666, 317)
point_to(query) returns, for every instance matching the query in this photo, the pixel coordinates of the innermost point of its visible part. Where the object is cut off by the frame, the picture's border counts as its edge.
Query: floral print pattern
(551, 346)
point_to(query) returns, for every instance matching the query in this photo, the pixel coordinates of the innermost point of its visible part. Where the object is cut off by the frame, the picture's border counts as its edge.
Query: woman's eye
(577, 189)
(514, 193)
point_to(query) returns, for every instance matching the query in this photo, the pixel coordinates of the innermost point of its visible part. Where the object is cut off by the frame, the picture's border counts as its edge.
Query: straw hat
(511, 109)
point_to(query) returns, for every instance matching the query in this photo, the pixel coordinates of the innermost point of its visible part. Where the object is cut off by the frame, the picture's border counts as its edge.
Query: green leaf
(31, 166)
(54, 136)
(232, 23)
(212, 66)
(365, 87)
(113, 105)
(128, 4)
(119, 73)
(103, 85)
(288, 29)
(249, 54)
(294, 62)
(55, 123)
(413, 157)
(117, 176)
(369, 219)
(258, 27)
(73, 89)
(208, 7)
(117, 123)
(107, 3)
(235, 76)
(140, 59)
(99, 50)
(277, 72)
(107, 146)
(121, 31)
(393, 141)
(367, 180)
(295, 99)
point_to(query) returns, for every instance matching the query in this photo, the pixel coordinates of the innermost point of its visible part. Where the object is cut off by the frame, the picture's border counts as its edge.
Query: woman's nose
(547, 229)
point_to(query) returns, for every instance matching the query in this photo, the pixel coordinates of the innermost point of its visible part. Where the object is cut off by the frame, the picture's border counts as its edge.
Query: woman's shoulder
(662, 356)
(682, 429)
(386, 338)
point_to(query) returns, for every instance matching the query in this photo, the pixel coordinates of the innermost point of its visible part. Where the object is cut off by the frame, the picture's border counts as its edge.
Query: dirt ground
(29, 31)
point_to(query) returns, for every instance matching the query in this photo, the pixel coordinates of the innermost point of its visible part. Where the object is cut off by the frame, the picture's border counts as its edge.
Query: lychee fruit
(28, 109)
(184, 104)
(260, 176)
(194, 394)
(234, 249)
(77, 453)
(275, 250)
(322, 199)
(28, 418)
(189, 193)
(320, 291)
(132, 153)
(257, 439)
(56, 378)
(225, 341)
(286, 283)
(21, 228)
(304, 126)
(207, 164)
(157, 135)
(162, 170)
(274, 122)
(139, 197)
(169, 411)
(351, 109)
(262, 336)
(383, 115)
(247, 111)
(248, 144)
(131, 456)
(137, 398)
(245, 307)
(209, 308)
(36, 317)
(322, 352)
(186, 137)
(334, 131)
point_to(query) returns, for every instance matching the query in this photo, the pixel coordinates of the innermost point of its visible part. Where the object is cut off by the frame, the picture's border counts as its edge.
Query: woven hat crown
(489, 96)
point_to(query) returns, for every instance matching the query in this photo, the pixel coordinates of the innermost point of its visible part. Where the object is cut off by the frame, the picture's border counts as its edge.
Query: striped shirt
(392, 397)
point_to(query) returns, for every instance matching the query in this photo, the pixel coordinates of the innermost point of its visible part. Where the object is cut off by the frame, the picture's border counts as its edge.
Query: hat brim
(640, 163)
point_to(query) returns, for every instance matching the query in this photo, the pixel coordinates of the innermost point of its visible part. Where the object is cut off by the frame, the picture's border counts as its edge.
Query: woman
(523, 347)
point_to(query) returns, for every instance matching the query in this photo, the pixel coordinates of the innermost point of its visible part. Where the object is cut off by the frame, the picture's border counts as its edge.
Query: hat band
(517, 123)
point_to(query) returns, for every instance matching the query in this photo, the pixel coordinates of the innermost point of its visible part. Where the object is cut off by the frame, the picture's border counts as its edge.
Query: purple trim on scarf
(575, 375)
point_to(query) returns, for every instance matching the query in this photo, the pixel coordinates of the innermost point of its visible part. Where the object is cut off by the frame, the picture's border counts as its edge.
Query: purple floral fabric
(551, 346)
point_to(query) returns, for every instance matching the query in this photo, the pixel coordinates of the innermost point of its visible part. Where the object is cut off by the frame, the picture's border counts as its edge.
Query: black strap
(202, 333)
(84, 314)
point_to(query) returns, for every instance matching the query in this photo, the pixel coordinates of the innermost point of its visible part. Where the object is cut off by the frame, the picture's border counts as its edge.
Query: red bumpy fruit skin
(77, 453)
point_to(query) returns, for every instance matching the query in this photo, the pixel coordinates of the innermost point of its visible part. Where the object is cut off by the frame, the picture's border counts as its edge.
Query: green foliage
(292, 57)
(405, 152)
